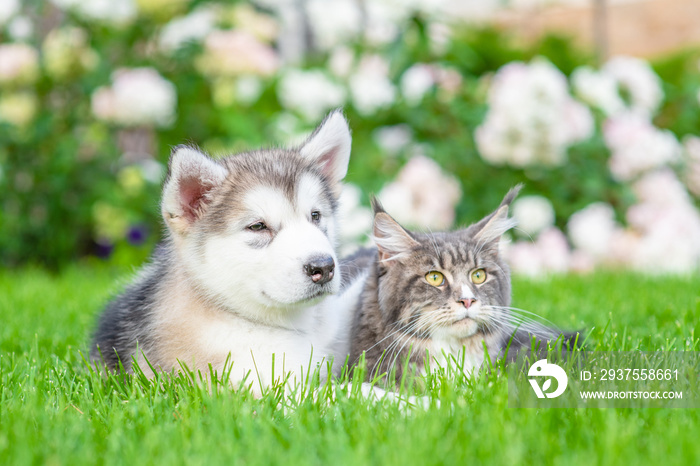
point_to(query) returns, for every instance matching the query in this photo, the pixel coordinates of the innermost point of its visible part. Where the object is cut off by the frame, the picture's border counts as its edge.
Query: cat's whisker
(500, 268)
(515, 310)
(506, 316)
(400, 351)
(514, 318)
(404, 333)
(534, 328)
(400, 329)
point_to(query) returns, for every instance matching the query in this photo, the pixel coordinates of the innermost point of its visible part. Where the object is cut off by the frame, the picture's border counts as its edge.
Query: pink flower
(691, 146)
(667, 225)
(138, 96)
(592, 228)
(422, 195)
(18, 63)
(637, 146)
(525, 259)
(234, 52)
(550, 253)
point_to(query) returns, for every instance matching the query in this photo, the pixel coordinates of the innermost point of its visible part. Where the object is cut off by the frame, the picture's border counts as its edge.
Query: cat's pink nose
(466, 302)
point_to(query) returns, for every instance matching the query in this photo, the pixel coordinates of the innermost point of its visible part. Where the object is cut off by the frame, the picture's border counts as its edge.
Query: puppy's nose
(320, 269)
(466, 302)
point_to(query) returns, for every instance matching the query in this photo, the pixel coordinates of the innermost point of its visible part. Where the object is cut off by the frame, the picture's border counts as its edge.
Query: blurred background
(593, 104)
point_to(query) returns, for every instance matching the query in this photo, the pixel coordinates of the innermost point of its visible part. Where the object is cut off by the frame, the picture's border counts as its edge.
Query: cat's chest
(467, 353)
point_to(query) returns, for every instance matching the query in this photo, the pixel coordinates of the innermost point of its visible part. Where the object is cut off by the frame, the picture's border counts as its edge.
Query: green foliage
(65, 193)
(54, 410)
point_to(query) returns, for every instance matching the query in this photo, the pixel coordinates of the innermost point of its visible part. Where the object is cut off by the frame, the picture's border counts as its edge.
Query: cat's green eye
(435, 278)
(478, 276)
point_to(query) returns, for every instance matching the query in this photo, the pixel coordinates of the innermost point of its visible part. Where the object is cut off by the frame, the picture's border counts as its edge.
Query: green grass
(54, 411)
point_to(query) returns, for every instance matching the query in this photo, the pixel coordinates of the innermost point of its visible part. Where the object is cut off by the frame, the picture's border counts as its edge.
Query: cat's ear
(392, 239)
(192, 176)
(490, 229)
(329, 148)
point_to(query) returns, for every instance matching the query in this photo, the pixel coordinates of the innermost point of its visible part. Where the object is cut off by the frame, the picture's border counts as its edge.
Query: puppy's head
(256, 231)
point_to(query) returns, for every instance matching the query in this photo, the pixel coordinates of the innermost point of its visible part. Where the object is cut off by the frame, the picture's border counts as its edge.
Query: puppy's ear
(191, 178)
(329, 148)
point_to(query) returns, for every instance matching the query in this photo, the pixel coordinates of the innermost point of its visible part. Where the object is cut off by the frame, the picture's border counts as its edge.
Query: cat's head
(447, 285)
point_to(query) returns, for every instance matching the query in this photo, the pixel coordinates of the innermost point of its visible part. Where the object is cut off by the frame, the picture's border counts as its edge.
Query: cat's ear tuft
(192, 175)
(491, 228)
(391, 239)
(376, 205)
(329, 148)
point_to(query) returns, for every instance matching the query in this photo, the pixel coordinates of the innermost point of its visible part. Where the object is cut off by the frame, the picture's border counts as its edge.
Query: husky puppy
(248, 270)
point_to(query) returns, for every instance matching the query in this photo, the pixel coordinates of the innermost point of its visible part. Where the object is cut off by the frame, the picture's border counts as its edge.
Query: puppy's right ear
(191, 178)
(329, 148)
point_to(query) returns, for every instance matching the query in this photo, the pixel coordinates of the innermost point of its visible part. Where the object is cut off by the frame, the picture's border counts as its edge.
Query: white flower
(533, 214)
(422, 195)
(138, 96)
(333, 22)
(248, 89)
(637, 146)
(592, 229)
(191, 28)
(116, 12)
(8, 9)
(598, 89)
(578, 121)
(532, 117)
(392, 139)
(440, 35)
(21, 28)
(311, 93)
(416, 81)
(19, 63)
(641, 83)
(384, 18)
(341, 61)
(370, 86)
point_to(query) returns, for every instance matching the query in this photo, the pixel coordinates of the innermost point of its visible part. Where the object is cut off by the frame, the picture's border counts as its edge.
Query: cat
(441, 293)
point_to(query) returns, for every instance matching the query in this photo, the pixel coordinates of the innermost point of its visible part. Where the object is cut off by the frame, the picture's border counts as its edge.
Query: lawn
(54, 411)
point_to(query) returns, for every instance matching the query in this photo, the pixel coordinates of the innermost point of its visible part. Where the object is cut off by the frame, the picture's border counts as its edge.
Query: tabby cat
(438, 294)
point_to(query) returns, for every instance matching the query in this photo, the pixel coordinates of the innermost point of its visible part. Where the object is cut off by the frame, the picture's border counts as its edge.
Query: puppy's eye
(259, 226)
(316, 216)
(435, 278)
(478, 276)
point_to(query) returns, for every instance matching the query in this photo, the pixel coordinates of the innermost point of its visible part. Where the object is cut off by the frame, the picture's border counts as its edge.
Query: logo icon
(543, 369)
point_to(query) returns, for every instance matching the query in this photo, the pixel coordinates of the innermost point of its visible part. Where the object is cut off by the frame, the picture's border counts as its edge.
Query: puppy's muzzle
(320, 269)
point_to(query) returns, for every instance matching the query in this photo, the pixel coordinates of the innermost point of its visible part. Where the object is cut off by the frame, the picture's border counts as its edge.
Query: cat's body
(438, 295)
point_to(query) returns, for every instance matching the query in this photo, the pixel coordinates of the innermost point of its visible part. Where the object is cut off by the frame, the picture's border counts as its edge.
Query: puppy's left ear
(329, 148)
